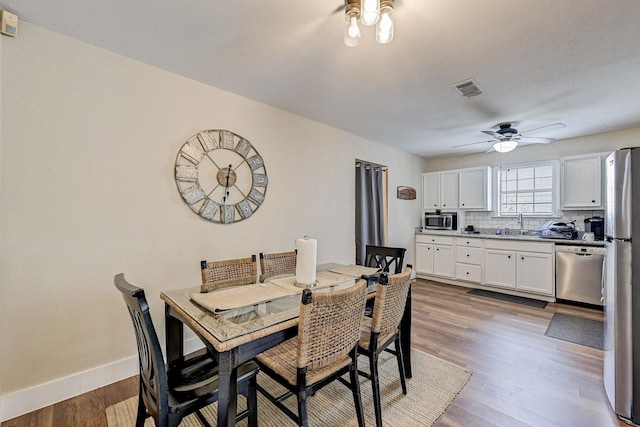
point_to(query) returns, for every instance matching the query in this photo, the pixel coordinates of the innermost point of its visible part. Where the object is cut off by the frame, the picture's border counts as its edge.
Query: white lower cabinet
(434, 255)
(535, 273)
(469, 260)
(500, 268)
(424, 258)
(521, 266)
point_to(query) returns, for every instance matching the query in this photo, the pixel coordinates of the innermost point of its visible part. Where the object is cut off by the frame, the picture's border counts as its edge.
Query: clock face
(221, 176)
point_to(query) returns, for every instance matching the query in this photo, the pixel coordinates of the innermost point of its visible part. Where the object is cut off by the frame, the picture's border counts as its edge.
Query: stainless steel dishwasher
(579, 273)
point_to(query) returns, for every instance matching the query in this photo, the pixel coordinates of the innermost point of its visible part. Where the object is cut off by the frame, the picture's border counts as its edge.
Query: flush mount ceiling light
(505, 146)
(368, 12)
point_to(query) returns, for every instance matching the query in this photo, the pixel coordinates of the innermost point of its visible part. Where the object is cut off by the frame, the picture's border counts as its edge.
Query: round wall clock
(221, 176)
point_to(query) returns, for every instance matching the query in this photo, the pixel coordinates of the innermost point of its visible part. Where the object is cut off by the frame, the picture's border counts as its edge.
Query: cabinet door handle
(467, 273)
(468, 255)
(593, 201)
(522, 258)
(509, 256)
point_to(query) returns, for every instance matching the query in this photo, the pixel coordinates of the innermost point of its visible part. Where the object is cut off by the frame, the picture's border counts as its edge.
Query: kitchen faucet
(520, 221)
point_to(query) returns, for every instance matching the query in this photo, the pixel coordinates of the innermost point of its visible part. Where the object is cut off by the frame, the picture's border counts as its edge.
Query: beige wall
(88, 144)
(568, 147)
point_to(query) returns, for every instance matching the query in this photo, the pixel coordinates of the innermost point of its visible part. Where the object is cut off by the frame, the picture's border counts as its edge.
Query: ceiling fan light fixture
(352, 31)
(505, 146)
(370, 12)
(384, 29)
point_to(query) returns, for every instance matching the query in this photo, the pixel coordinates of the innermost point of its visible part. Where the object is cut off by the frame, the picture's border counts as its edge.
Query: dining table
(238, 323)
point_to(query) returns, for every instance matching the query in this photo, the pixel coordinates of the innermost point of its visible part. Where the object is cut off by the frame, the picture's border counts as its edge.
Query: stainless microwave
(442, 221)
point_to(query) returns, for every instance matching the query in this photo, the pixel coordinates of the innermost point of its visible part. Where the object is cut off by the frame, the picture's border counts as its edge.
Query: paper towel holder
(305, 285)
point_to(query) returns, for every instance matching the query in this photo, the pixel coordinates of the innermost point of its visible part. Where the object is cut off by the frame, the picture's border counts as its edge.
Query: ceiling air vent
(468, 88)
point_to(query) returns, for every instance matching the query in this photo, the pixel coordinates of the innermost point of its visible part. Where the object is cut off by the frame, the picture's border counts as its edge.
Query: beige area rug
(434, 385)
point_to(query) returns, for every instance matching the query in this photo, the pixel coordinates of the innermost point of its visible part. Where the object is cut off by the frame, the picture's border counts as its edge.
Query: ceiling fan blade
(496, 135)
(340, 8)
(547, 127)
(471, 143)
(535, 140)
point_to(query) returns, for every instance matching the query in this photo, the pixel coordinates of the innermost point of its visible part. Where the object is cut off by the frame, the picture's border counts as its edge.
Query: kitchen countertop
(526, 237)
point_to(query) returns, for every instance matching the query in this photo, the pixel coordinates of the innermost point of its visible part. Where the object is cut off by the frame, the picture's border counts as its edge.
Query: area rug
(509, 298)
(434, 385)
(577, 330)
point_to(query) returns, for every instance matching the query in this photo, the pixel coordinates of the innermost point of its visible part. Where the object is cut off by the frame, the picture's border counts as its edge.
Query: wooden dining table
(236, 335)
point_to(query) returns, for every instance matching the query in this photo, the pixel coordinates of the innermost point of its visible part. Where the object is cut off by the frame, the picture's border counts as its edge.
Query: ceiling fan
(507, 138)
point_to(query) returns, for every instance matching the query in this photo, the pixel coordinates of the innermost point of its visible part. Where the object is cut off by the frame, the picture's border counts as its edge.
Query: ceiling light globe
(370, 12)
(505, 146)
(384, 31)
(352, 32)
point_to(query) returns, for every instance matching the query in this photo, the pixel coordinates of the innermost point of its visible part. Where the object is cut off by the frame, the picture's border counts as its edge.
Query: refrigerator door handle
(604, 265)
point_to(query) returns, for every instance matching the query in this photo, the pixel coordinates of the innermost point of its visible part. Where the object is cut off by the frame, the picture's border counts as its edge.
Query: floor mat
(577, 330)
(509, 298)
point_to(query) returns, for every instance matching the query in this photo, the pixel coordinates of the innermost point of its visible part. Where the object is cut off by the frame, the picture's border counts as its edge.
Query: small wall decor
(406, 193)
(221, 176)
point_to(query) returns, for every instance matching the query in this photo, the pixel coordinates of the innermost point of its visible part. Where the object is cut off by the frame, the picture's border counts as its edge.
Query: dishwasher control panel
(585, 250)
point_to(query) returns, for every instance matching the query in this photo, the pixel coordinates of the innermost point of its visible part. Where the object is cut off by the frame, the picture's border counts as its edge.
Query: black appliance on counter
(595, 225)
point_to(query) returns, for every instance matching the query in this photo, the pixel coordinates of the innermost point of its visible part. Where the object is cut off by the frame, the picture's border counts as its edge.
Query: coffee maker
(595, 224)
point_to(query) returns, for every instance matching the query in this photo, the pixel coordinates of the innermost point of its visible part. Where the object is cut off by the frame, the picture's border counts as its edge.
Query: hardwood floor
(520, 376)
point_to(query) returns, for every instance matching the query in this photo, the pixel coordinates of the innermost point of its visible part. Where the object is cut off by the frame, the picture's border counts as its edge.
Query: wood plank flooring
(520, 376)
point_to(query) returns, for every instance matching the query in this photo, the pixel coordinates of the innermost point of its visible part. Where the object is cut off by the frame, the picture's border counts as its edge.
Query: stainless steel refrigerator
(621, 288)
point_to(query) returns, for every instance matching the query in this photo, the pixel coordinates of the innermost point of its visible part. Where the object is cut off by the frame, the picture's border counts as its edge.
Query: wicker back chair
(275, 264)
(169, 393)
(383, 328)
(384, 258)
(232, 272)
(324, 350)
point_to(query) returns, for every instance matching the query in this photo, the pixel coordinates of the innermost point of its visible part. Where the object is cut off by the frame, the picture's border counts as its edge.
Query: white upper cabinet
(475, 188)
(449, 190)
(457, 189)
(440, 190)
(581, 183)
(431, 190)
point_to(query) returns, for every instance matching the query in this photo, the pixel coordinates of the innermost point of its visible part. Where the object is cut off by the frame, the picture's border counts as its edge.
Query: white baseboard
(42, 395)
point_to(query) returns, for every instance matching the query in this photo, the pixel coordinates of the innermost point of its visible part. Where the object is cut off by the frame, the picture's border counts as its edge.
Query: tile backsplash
(487, 220)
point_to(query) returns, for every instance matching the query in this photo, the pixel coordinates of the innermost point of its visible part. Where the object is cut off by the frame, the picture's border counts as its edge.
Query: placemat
(239, 296)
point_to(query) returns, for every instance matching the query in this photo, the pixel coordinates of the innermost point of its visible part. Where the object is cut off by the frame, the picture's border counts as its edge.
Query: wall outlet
(8, 23)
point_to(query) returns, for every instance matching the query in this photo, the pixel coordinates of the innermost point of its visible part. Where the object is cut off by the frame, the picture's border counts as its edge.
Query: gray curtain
(369, 208)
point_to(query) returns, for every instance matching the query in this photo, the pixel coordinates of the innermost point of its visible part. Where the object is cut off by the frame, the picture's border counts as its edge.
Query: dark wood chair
(383, 329)
(231, 272)
(324, 350)
(384, 258)
(169, 393)
(275, 264)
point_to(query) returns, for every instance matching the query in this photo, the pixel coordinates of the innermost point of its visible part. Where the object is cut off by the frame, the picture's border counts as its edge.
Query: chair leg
(252, 402)
(142, 411)
(355, 388)
(400, 358)
(302, 408)
(375, 385)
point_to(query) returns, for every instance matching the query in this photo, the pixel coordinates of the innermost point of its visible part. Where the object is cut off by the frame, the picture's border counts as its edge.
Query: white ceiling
(538, 62)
